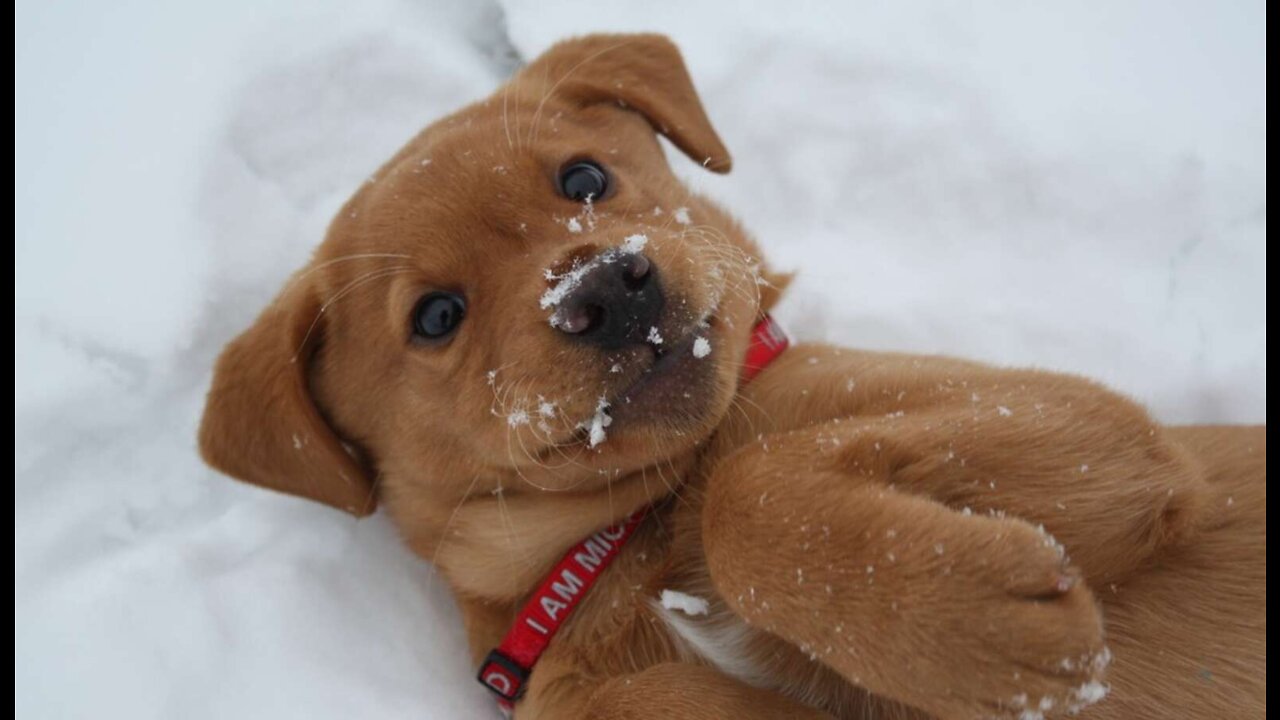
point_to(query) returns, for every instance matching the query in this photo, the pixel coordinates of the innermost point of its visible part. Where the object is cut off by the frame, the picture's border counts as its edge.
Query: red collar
(768, 340)
(506, 669)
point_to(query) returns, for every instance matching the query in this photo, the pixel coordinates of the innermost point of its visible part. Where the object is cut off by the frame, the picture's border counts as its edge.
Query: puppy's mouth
(673, 391)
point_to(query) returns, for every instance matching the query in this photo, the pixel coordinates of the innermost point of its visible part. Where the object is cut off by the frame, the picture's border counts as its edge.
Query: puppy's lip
(675, 375)
(665, 356)
(668, 359)
(664, 360)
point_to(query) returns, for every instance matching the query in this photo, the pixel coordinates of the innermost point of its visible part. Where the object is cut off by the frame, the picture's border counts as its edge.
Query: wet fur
(878, 535)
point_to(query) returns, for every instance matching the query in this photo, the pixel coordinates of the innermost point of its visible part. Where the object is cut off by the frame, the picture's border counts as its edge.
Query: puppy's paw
(1025, 637)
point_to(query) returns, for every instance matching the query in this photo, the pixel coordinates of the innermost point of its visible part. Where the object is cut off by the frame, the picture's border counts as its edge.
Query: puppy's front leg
(958, 614)
(683, 691)
(565, 687)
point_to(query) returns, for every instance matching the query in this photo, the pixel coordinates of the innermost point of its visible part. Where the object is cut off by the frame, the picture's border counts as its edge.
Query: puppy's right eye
(438, 314)
(583, 181)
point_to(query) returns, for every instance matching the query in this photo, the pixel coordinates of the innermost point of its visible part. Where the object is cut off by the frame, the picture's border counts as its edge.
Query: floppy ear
(642, 72)
(260, 424)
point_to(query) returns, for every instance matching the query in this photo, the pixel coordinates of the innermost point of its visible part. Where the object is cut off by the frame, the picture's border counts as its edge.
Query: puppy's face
(540, 296)
(524, 299)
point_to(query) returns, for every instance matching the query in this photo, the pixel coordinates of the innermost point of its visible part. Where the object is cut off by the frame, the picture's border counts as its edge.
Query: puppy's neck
(496, 548)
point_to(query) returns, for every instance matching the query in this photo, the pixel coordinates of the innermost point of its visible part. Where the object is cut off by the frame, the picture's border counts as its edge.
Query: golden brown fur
(878, 535)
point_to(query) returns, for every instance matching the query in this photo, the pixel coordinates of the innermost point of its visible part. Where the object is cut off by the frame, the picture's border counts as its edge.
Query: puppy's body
(875, 534)
(1170, 545)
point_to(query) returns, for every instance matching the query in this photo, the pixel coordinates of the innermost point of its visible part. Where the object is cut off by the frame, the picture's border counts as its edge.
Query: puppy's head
(524, 299)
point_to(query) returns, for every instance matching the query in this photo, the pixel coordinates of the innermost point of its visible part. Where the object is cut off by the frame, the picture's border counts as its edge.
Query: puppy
(524, 329)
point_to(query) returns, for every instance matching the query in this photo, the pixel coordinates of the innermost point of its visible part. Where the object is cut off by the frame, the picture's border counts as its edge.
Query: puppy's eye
(438, 314)
(583, 181)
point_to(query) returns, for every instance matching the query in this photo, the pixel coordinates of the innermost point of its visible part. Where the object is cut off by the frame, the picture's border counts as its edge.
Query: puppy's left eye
(583, 181)
(438, 314)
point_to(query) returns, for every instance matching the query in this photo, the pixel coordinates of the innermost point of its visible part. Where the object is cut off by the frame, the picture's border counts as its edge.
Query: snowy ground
(1075, 186)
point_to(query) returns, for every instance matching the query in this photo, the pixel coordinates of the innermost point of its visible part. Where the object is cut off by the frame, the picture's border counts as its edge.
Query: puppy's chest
(660, 606)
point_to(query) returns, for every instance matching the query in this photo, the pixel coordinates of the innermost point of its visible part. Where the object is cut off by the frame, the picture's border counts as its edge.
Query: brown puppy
(525, 328)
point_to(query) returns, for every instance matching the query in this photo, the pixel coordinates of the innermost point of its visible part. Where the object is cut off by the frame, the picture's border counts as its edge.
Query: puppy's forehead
(524, 129)
(477, 185)
(494, 167)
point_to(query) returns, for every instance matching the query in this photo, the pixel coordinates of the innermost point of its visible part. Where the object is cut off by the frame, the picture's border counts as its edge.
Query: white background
(1080, 187)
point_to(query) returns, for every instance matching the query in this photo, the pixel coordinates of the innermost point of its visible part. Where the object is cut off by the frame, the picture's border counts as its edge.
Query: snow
(634, 244)
(687, 604)
(1079, 186)
(565, 284)
(701, 347)
(1088, 694)
(599, 421)
(568, 281)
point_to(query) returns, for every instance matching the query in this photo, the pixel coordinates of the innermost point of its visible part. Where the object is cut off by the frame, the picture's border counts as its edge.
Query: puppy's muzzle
(616, 304)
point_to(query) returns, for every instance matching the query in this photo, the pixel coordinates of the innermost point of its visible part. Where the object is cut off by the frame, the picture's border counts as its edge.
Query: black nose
(616, 303)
